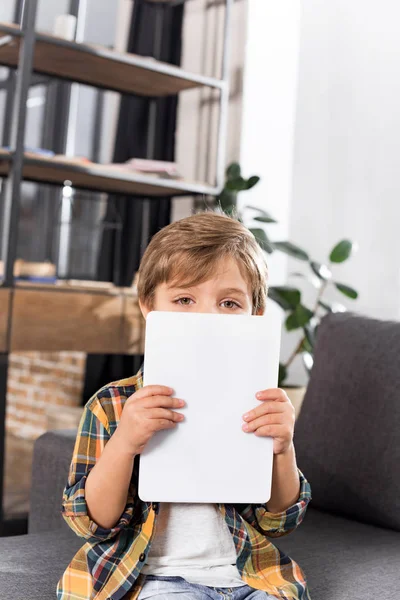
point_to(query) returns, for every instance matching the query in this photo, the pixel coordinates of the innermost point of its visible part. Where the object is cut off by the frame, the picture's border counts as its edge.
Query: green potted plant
(298, 316)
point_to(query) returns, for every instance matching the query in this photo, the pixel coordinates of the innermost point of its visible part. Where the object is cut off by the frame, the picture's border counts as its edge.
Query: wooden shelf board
(100, 67)
(96, 177)
(53, 321)
(64, 287)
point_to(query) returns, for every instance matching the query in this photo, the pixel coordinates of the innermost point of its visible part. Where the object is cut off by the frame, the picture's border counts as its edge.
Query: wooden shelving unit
(61, 318)
(30, 51)
(97, 177)
(103, 68)
(99, 66)
(57, 317)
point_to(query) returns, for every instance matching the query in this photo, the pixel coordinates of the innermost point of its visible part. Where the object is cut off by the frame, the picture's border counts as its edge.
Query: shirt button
(142, 557)
(155, 507)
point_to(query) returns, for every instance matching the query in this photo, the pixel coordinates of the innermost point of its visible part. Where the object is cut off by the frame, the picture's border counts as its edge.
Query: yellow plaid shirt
(109, 564)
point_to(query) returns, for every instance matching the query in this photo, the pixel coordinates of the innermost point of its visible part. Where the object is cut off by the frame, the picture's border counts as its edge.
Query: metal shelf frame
(17, 161)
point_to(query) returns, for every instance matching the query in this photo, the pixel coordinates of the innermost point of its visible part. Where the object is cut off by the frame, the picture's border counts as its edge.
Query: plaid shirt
(108, 566)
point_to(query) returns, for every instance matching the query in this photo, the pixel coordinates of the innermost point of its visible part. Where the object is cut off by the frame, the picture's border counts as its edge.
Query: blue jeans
(167, 588)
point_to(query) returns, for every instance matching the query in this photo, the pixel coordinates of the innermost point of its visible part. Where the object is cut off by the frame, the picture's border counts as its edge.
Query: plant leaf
(282, 374)
(260, 210)
(341, 251)
(265, 219)
(262, 239)
(291, 250)
(233, 171)
(236, 185)
(228, 201)
(321, 271)
(309, 332)
(252, 181)
(287, 297)
(298, 318)
(347, 290)
(278, 299)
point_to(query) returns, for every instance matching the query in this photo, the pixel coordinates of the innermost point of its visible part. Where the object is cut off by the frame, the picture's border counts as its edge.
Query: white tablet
(216, 363)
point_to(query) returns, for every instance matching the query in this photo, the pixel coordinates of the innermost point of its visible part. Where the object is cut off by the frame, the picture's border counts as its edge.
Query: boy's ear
(144, 309)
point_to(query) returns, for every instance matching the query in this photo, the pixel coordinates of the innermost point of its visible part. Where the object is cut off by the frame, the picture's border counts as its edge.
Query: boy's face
(226, 293)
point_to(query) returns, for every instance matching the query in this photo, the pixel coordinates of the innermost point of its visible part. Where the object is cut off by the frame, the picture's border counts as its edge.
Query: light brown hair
(187, 251)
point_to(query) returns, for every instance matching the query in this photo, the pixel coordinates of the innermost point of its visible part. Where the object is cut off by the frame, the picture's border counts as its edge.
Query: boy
(136, 550)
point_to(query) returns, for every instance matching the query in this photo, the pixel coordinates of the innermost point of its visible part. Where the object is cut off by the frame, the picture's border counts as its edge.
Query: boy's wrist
(289, 450)
(119, 446)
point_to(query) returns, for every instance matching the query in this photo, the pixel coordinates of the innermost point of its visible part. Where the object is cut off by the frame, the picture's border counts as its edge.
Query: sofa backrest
(52, 457)
(347, 436)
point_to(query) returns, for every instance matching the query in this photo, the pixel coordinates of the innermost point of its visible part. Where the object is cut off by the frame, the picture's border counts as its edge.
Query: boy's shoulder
(107, 403)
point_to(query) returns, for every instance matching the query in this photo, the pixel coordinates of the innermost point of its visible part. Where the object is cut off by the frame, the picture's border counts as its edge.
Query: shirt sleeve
(92, 436)
(279, 524)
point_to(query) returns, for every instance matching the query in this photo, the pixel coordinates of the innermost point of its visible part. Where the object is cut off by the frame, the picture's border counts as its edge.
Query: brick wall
(38, 380)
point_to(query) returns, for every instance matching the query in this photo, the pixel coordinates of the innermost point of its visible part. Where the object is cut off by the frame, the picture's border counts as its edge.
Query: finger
(264, 408)
(162, 402)
(276, 394)
(163, 413)
(274, 431)
(275, 419)
(153, 390)
(159, 424)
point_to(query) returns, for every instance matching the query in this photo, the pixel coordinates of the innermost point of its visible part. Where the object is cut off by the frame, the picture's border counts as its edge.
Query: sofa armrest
(52, 455)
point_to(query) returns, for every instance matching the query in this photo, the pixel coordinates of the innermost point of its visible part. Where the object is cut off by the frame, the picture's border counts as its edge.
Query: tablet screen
(216, 363)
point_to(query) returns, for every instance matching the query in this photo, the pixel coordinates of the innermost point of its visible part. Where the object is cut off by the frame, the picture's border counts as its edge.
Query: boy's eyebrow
(231, 290)
(234, 291)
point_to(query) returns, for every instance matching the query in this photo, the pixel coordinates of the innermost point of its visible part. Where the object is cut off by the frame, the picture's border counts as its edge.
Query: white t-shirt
(193, 541)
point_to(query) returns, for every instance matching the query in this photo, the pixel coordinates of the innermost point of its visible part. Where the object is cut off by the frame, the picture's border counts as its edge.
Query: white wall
(269, 106)
(268, 120)
(347, 153)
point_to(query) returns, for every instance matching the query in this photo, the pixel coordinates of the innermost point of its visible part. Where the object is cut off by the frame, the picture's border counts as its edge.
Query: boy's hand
(148, 410)
(275, 417)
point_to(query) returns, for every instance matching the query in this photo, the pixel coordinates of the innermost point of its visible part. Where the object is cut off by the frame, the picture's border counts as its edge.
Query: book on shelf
(25, 269)
(160, 168)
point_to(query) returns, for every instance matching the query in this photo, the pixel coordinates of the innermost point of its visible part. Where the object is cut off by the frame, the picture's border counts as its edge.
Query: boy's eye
(183, 301)
(230, 304)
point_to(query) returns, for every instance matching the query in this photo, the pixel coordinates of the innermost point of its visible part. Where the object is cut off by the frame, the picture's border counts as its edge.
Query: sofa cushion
(52, 454)
(31, 565)
(343, 559)
(347, 437)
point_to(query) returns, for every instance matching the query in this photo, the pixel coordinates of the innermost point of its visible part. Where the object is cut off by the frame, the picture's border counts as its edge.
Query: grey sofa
(347, 440)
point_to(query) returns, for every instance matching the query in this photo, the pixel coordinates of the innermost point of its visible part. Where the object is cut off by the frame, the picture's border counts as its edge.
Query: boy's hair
(186, 253)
